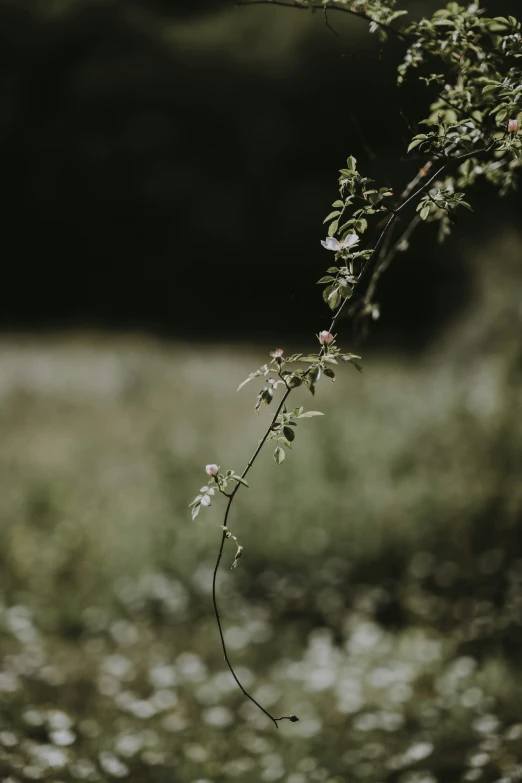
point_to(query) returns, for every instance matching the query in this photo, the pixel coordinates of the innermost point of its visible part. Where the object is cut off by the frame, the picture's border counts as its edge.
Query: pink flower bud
(513, 126)
(325, 338)
(212, 469)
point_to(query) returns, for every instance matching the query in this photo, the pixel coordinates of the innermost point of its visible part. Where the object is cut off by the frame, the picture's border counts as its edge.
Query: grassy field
(380, 593)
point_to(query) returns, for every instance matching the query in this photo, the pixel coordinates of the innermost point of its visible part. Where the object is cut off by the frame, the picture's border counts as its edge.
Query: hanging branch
(491, 134)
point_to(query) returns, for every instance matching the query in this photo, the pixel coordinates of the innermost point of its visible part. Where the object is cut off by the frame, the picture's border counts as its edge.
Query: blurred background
(165, 172)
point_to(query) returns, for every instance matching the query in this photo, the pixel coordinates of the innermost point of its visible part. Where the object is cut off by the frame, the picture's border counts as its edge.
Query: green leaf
(332, 228)
(352, 163)
(294, 381)
(195, 511)
(240, 480)
(345, 290)
(309, 414)
(239, 553)
(415, 143)
(424, 212)
(336, 213)
(334, 298)
(498, 25)
(352, 358)
(314, 373)
(289, 433)
(361, 225)
(326, 293)
(244, 383)
(325, 279)
(338, 203)
(348, 224)
(279, 455)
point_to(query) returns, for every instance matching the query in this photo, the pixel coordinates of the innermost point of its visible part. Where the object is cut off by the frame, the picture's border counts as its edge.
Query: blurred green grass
(380, 592)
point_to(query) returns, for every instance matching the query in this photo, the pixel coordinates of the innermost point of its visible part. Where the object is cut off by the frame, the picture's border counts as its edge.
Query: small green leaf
(345, 290)
(244, 383)
(240, 480)
(279, 455)
(334, 214)
(332, 228)
(334, 298)
(314, 373)
(294, 381)
(348, 224)
(309, 414)
(326, 293)
(289, 433)
(416, 143)
(326, 279)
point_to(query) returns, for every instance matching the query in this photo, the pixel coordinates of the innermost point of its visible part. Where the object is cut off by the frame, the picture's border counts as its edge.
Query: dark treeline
(153, 185)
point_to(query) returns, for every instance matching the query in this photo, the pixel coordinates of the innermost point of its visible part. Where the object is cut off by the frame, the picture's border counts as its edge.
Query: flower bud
(212, 469)
(513, 126)
(325, 338)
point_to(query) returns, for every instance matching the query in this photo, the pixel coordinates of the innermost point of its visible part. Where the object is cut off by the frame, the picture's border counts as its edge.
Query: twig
(220, 553)
(372, 266)
(329, 26)
(331, 7)
(390, 255)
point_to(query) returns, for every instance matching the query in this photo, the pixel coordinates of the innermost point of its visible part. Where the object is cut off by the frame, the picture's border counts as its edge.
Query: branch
(364, 273)
(390, 254)
(220, 553)
(330, 7)
(372, 265)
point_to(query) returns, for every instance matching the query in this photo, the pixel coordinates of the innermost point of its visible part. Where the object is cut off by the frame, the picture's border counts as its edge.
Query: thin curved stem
(220, 554)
